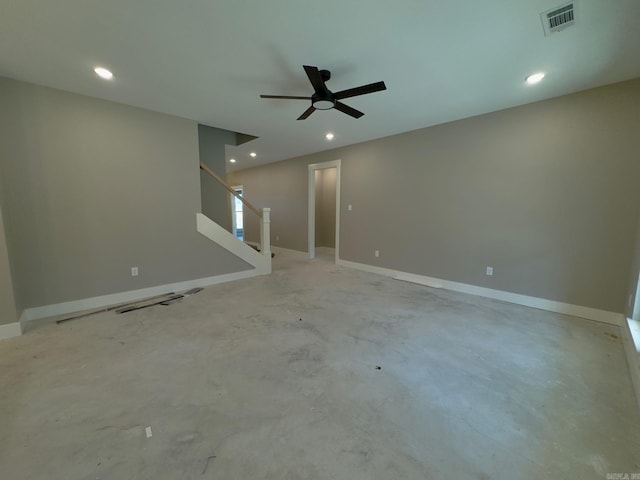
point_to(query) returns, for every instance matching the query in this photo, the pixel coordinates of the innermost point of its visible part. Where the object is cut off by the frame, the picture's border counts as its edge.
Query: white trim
(10, 330)
(311, 213)
(207, 228)
(589, 313)
(46, 311)
(631, 342)
(311, 216)
(265, 235)
(224, 238)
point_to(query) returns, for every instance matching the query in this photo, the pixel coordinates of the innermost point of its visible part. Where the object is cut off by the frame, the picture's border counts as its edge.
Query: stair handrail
(264, 215)
(231, 190)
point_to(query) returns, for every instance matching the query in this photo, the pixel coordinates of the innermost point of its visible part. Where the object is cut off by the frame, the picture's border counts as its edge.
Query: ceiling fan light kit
(323, 103)
(325, 99)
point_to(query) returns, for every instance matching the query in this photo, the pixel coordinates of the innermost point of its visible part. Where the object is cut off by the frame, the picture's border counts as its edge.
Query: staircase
(261, 261)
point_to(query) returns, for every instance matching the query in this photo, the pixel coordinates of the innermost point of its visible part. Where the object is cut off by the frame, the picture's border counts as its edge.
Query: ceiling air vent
(558, 18)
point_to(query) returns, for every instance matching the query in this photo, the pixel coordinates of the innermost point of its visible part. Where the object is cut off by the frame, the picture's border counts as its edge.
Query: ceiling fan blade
(286, 97)
(307, 112)
(363, 90)
(316, 79)
(348, 110)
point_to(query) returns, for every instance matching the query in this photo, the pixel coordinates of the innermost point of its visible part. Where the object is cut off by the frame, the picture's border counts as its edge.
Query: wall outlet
(350, 207)
(377, 253)
(489, 271)
(134, 271)
(277, 237)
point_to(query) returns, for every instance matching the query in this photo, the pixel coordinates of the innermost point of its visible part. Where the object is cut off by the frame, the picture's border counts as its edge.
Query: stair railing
(264, 215)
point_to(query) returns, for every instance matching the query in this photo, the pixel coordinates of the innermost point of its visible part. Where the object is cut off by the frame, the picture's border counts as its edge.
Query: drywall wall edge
(47, 311)
(611, 318)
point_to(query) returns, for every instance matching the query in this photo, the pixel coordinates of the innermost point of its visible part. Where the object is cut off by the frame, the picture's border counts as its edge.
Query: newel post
(265, 232)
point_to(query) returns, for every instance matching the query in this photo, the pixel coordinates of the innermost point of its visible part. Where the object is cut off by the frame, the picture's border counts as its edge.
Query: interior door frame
(312, 205)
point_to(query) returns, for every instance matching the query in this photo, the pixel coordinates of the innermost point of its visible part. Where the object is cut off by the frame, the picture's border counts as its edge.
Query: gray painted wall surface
(282, 186)
(91, 188)
(545, 193)
(8, 311)
(215, 198)
(325, 207)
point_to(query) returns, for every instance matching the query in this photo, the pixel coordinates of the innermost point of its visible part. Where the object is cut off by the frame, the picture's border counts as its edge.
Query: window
(237, 214)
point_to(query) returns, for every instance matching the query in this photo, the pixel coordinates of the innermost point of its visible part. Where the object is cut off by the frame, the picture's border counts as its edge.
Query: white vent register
(559, 18)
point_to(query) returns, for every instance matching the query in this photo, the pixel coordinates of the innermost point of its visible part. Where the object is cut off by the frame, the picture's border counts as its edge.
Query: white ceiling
(209, 60)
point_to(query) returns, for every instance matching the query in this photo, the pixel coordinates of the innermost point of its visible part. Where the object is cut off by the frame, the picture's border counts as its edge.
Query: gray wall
(325, 210)
(91, 188)
(281, 186)
(8, 311)
(545, 193)
(215, 198)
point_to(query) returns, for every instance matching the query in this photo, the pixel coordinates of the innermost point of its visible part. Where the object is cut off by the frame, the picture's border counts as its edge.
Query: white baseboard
(603, 316)
(10, 330)
(631, 342)
(47, 311)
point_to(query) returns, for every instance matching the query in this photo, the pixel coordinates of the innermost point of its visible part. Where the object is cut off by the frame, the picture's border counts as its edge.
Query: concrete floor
(275, 378)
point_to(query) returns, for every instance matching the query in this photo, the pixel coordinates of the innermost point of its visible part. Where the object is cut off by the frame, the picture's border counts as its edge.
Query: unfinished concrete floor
(276, 378)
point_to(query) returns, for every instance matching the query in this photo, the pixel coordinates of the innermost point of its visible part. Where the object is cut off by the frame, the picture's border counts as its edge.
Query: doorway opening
(237, 214)
(324, 207)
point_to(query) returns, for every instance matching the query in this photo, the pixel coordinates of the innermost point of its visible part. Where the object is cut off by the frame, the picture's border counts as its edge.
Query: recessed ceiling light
(329, 136)
(534, 78)
(103, 73)
(232, 160)
(253, 154)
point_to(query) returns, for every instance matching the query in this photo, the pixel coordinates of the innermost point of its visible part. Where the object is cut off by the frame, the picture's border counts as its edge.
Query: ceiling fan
(325, 99)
